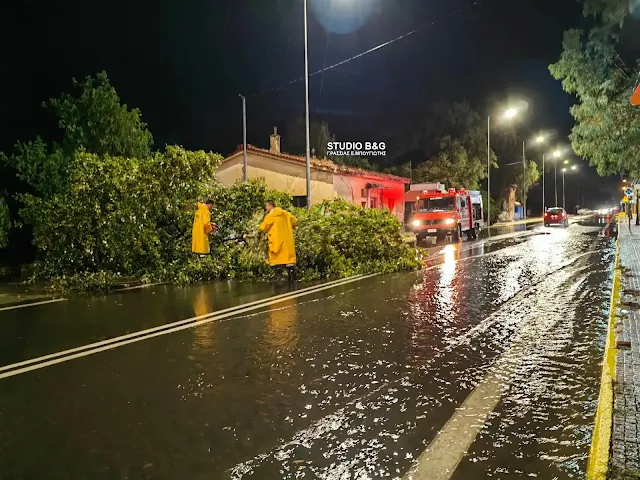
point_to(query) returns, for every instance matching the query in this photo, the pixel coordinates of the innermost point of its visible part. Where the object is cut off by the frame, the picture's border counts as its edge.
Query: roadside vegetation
(103, 207)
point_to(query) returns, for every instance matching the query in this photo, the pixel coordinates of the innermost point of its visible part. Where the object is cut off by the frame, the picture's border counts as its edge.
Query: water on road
(485, 365)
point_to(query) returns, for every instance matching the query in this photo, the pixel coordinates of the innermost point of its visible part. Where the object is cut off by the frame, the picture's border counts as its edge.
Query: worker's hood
(277, 212)
(202, 206)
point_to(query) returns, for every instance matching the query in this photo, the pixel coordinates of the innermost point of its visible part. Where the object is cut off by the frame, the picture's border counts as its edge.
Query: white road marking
(441, 458)
(475, 405)
(165, 326)
(86, 350)
(32, 304)
(58, 357)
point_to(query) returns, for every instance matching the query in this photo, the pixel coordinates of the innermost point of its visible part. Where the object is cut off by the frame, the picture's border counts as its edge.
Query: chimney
(274, 145)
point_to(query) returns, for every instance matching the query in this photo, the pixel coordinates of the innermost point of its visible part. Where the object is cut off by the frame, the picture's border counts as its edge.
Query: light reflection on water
(400, 360)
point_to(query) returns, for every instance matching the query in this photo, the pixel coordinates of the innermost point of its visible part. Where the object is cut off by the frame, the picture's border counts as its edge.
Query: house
(285, 172)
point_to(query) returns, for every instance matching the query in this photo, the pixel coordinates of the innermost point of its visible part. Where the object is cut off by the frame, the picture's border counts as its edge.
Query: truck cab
(440, 213)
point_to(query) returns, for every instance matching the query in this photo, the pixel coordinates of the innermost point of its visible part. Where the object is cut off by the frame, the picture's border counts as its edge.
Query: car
(556, 216)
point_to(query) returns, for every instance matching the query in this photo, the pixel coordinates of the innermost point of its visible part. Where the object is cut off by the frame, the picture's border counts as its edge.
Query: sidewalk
(625, 437)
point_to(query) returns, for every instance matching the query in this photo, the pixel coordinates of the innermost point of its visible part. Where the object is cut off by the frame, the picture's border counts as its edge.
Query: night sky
(184, 64)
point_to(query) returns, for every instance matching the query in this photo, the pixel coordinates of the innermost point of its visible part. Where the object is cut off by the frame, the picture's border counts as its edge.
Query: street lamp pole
(524, 182)
(489, 172)
(563, 203)
(306, 93)
(543, 198)
(555, 181)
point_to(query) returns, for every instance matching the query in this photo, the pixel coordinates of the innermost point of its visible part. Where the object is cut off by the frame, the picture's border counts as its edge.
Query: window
(374, 202)
(300, 201)
(436, 204)
(364, 204)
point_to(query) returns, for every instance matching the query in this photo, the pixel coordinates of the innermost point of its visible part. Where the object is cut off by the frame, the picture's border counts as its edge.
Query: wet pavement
(359, 381)
(625, 442)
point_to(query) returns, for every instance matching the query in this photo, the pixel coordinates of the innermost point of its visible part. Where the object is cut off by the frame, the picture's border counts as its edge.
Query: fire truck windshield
(436, 204)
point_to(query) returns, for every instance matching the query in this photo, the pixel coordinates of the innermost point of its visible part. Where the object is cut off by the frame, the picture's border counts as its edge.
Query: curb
(598, 463)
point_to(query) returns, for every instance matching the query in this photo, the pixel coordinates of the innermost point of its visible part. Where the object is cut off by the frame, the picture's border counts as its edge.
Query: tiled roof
(323, 164)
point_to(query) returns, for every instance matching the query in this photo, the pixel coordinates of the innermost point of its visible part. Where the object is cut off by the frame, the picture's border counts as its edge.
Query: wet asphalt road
(353, 382)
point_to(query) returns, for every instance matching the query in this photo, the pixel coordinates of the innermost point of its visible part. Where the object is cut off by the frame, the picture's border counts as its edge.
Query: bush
(122, 218)
(123, 215)
(5, 223)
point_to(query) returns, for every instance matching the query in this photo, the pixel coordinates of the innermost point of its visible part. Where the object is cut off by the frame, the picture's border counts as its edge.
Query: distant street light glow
(510, 113)
(540, 139)
(557, 154)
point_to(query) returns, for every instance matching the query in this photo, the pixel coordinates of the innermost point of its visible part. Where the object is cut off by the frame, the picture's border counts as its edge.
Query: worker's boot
(291, 273)
(275, 271)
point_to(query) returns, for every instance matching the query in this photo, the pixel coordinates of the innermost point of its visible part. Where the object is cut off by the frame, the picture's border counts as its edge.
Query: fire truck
(433, 211)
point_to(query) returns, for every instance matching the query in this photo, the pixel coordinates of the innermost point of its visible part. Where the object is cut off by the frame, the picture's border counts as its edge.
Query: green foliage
(612, 13)
(5, 223)
(96, 121)
(341, 239)
(495, 207)
(532, 175)
(235, 207)
(46, 170)
(86, 282)
(448, 146)
(319, 136)
(92, 121)
(103, 208)
(607, 129)
(125, 215)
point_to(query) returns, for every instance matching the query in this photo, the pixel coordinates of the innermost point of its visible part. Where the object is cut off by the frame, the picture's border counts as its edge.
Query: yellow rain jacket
(279, 226)
(201, 230)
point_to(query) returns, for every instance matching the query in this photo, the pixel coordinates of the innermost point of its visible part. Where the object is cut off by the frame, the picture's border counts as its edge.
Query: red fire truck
(442, 213)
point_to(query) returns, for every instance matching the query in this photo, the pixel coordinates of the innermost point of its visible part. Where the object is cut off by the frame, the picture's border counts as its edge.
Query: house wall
(291, 177)
(353, 189)
(279, 175)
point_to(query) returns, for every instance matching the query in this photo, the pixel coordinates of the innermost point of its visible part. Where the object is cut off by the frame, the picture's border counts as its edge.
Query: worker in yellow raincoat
(279, 224)
(202, 228)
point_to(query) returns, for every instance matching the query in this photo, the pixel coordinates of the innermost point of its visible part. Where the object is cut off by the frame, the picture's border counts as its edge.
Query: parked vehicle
(436, 212)
(556, 216)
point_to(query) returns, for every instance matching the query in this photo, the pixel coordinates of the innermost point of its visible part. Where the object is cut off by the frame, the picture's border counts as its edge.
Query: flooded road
(485, 365)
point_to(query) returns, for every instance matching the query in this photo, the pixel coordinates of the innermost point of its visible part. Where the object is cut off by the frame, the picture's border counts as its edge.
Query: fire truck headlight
(416, 223)
(449, 221)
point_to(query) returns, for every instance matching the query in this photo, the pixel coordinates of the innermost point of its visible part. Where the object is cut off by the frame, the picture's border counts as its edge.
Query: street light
(573, 167)
(540, 139)
(306, 95)
(556, 154)
(508, 114)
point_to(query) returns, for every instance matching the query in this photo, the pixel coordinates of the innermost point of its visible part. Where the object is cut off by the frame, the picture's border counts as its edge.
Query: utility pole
(489, 172)
(555, 181)
(306, 93)
(524, 182)
(244, 137)
(543, 199)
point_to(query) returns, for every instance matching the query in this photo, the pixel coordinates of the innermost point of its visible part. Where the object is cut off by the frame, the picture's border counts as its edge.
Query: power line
(371, 50)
